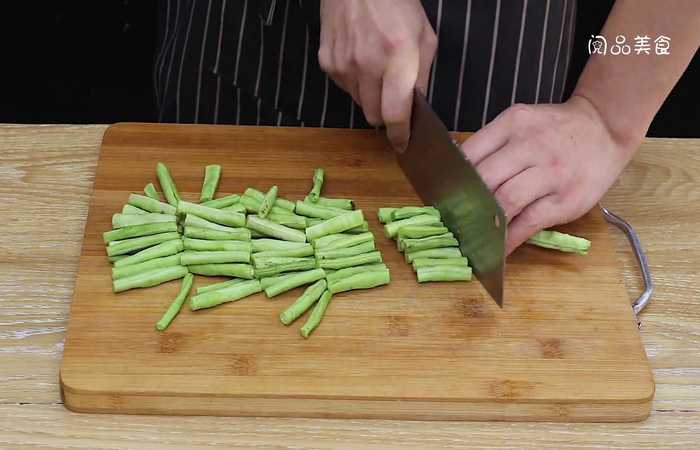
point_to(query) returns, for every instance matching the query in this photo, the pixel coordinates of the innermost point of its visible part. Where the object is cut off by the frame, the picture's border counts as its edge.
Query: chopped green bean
(365, 280)
(151, 264)
(384, 214)
(341, 203)
(444, 273)
(392, 229)
(304, 302)
(350, 271)
(229, 218)
(294, 281)
(167, 184)
(281, 202)
(151, 191)
(344, 252)
(138, 230)
(236, 207)
(298, 252)
(269, 267)
(560, 241)
(335, 225)
(222, 202)
(116, 258)
(442, 240)
(192, 220)
(317, 211)
(316, 315)
(217, 286)
(228, 294)
(357, 260)
(267, 202)
(191, 257)
(138, 243)
(275, 230)
(342, 241)
(315, 192)
(212, 173)
(147, 279)
(445, 252)
(223, 270)
(419, 263)
(166, 248)
(266, 282)
(204, 245)
(265, 244)
(363, 228)
(421, 231)
(150, 205)
(253, 206)
(236, 234)
(127, 220)
(410, 211)
(176, 304)
(131, 209)
(288, 219)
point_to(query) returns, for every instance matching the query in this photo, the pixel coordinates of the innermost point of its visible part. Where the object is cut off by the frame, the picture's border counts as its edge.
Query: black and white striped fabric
(255, 61)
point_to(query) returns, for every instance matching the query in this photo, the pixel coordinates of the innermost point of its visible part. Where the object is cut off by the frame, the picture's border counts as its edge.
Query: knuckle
(520, 113)
(324, 60)
(394, 41)
(431, 41)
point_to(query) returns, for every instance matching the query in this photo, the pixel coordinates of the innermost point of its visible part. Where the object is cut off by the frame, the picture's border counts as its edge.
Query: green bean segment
(317, 180)
(127, 220)
(259, 196)
(138, 231)
(391, 229)
(303, 303)
(317, 211)
(350, 271)
(176, 304)
(167, 184)
(228, 218)
(346, 251)
(267, 202)
(366, 280)
(341, 203)
(236, 207)
(235, 234)
(131, 209)
(227, 294)
(150, 205)
(357, 260)
(217, 286)
(445, 252)
(222, 202)
(342, 241)
(212, 173)
(151, 191)
(410, 211)
(316, 315)
(442, 240)
(276, 266)
(147, 279)
(166, 248)
(275, 230)
(190, 257)
(138, 243)
(335, 225)
(421, 231)
(419, 263)
(151, 264)
(294, 281)
(266, 282)
(444, 273)
(298, 252)
(265, 244)
(223, 270)
(204, 245)
(560, 241)
(384, 214)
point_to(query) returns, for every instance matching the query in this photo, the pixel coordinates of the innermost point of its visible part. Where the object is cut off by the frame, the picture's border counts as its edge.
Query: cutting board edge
(110, 403)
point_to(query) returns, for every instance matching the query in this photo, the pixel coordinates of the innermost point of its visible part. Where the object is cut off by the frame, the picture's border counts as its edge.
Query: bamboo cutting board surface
(565, 347)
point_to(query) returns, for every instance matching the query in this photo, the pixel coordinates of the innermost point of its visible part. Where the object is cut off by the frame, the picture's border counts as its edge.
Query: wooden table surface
(46, 175)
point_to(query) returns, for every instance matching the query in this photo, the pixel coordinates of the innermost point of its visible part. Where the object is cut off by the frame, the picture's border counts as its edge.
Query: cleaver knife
(443, 177)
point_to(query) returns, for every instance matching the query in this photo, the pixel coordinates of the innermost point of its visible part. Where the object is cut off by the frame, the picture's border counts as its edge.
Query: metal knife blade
(443, 177)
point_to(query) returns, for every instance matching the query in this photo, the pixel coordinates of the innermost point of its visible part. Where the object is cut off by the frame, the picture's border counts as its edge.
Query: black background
(91, 62)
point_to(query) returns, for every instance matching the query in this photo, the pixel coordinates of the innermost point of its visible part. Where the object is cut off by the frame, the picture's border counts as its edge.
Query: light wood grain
(664, 175)
(564, 348)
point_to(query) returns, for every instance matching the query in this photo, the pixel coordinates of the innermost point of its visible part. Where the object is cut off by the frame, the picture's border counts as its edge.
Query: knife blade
(442, 176)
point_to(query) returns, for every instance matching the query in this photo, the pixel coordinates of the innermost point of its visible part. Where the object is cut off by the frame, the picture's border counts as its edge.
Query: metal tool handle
(644, 298)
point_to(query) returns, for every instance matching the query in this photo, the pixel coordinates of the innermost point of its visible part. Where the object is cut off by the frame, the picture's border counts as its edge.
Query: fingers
(370, 98)
(535, 217)
(504, 164)
(428, 46)
(397, 96)
(523, 189)
(487, 140)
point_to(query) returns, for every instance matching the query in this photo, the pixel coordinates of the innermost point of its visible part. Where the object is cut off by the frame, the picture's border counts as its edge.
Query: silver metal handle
(644, 298)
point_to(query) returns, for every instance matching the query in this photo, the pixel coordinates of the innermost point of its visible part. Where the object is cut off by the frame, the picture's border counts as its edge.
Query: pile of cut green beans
(434, 252)
(261, 242)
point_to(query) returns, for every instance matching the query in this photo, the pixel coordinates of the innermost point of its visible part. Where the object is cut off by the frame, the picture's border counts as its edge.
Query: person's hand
(378, 51)
(546, 164)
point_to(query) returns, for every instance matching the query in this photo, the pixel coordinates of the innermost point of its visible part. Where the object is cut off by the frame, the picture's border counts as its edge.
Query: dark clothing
(255, 62)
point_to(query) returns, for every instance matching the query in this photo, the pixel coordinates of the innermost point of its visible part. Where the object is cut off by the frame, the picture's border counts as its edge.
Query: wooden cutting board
(565, 347)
